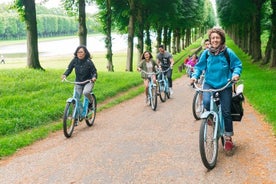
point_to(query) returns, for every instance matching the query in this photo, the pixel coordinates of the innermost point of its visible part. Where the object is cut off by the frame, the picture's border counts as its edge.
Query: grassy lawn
(32, 102)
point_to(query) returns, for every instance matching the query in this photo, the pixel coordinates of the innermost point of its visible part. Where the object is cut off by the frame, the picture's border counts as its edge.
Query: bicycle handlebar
(74, 82)
(160, 70)
(149, 73)
(214, 90)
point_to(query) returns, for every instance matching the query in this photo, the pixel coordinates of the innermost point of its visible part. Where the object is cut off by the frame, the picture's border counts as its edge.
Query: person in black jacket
(84, 70)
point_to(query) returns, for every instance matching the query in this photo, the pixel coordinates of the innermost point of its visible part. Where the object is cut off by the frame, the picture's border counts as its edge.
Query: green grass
(259, 85)
(32, 102)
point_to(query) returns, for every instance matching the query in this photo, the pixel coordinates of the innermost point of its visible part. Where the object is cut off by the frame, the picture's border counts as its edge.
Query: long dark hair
(87, 53)
(143, 55)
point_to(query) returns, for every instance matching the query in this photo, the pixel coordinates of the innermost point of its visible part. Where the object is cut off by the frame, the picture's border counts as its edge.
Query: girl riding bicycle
(148, 65)
(217, 73)
(84, 70)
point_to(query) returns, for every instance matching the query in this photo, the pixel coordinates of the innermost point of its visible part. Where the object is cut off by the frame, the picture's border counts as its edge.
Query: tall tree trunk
(188, 37)
(159, 37)
(129, 63)
(31, 26)
(148, 39)
(140, 36)
(273, 32)
(268, 50)
(82, 23)
(108, 39)
(165, 37)
(256, 52)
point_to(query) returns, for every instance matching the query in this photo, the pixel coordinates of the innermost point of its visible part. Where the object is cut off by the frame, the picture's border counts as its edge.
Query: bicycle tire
(91, 112)
(197, 106)
(162, 94)
(167, 91)
(207, 146)
(153, 99)
(68, 119)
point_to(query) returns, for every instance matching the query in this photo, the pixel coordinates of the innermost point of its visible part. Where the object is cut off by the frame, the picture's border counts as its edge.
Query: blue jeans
(225, 101)
(169, 76)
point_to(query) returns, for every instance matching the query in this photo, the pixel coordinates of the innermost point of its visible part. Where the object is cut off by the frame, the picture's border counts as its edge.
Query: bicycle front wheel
(197, 107)
(91, 112)
(162, 94)
(153, 99)
(68, 119)
(208, 146)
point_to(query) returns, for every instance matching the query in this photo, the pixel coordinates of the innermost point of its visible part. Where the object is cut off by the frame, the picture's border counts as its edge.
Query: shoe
(171, 91)
(228, 146)
(82, 118)
(76, 123)
(209, 122)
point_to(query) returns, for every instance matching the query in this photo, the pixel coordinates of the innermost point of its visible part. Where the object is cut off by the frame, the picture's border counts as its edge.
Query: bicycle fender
(71, 100)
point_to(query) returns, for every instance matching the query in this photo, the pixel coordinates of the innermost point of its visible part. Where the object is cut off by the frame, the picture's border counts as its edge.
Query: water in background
(95, 43)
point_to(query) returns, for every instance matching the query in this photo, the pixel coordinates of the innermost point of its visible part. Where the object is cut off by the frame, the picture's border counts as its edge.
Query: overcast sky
(56, 3)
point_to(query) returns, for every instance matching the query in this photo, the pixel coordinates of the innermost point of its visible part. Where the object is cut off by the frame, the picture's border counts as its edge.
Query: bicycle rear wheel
(91, 112)
(153, 99)
(197, 107)
(162, 94)
(207, 145)
(68, 119)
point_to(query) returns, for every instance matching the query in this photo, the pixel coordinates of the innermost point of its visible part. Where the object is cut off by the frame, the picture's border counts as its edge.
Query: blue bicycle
(163, 85)
(152, 90)
(72, 113)
(212, 128)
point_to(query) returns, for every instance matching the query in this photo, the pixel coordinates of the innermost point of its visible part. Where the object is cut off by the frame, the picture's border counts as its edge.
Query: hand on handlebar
(235, 78)
(63, 77)
(93, 79)
(192, 81)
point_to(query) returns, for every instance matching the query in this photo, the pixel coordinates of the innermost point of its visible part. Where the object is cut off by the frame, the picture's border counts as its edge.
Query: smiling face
(215, 40)
(81, 54)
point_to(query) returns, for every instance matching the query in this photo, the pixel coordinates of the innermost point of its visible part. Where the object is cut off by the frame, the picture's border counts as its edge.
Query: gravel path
(130, 143)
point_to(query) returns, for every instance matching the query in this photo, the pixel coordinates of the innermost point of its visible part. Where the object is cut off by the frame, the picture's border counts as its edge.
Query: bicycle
(197, 105)
(72, 115)
(152, 90)
(163, 85)
(212, 128)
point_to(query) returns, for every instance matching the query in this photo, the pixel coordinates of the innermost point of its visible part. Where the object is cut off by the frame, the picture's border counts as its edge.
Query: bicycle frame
(211, 129)
(74, 100)
(162, 78)
(151, 87)
(215, 110)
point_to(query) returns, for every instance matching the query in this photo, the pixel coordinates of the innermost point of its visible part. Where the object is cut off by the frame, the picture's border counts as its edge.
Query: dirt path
(132, 144)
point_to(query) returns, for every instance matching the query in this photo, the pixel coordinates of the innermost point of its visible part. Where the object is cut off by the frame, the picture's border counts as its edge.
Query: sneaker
(81, 118)
(76, 123)
(228, 146)
(171, 91)
(209, 122)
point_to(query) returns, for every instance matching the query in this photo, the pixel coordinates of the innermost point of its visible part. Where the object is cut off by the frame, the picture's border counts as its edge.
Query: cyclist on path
(84, 70)
(217, 73)
(165, 60)
(148, 65)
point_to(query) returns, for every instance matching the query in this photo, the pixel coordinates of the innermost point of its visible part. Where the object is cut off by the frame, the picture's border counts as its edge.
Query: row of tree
(245, 21)
(173, 22)
(49, 24)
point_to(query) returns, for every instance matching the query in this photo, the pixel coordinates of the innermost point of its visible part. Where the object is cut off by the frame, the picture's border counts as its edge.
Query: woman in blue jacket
(217, 73)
